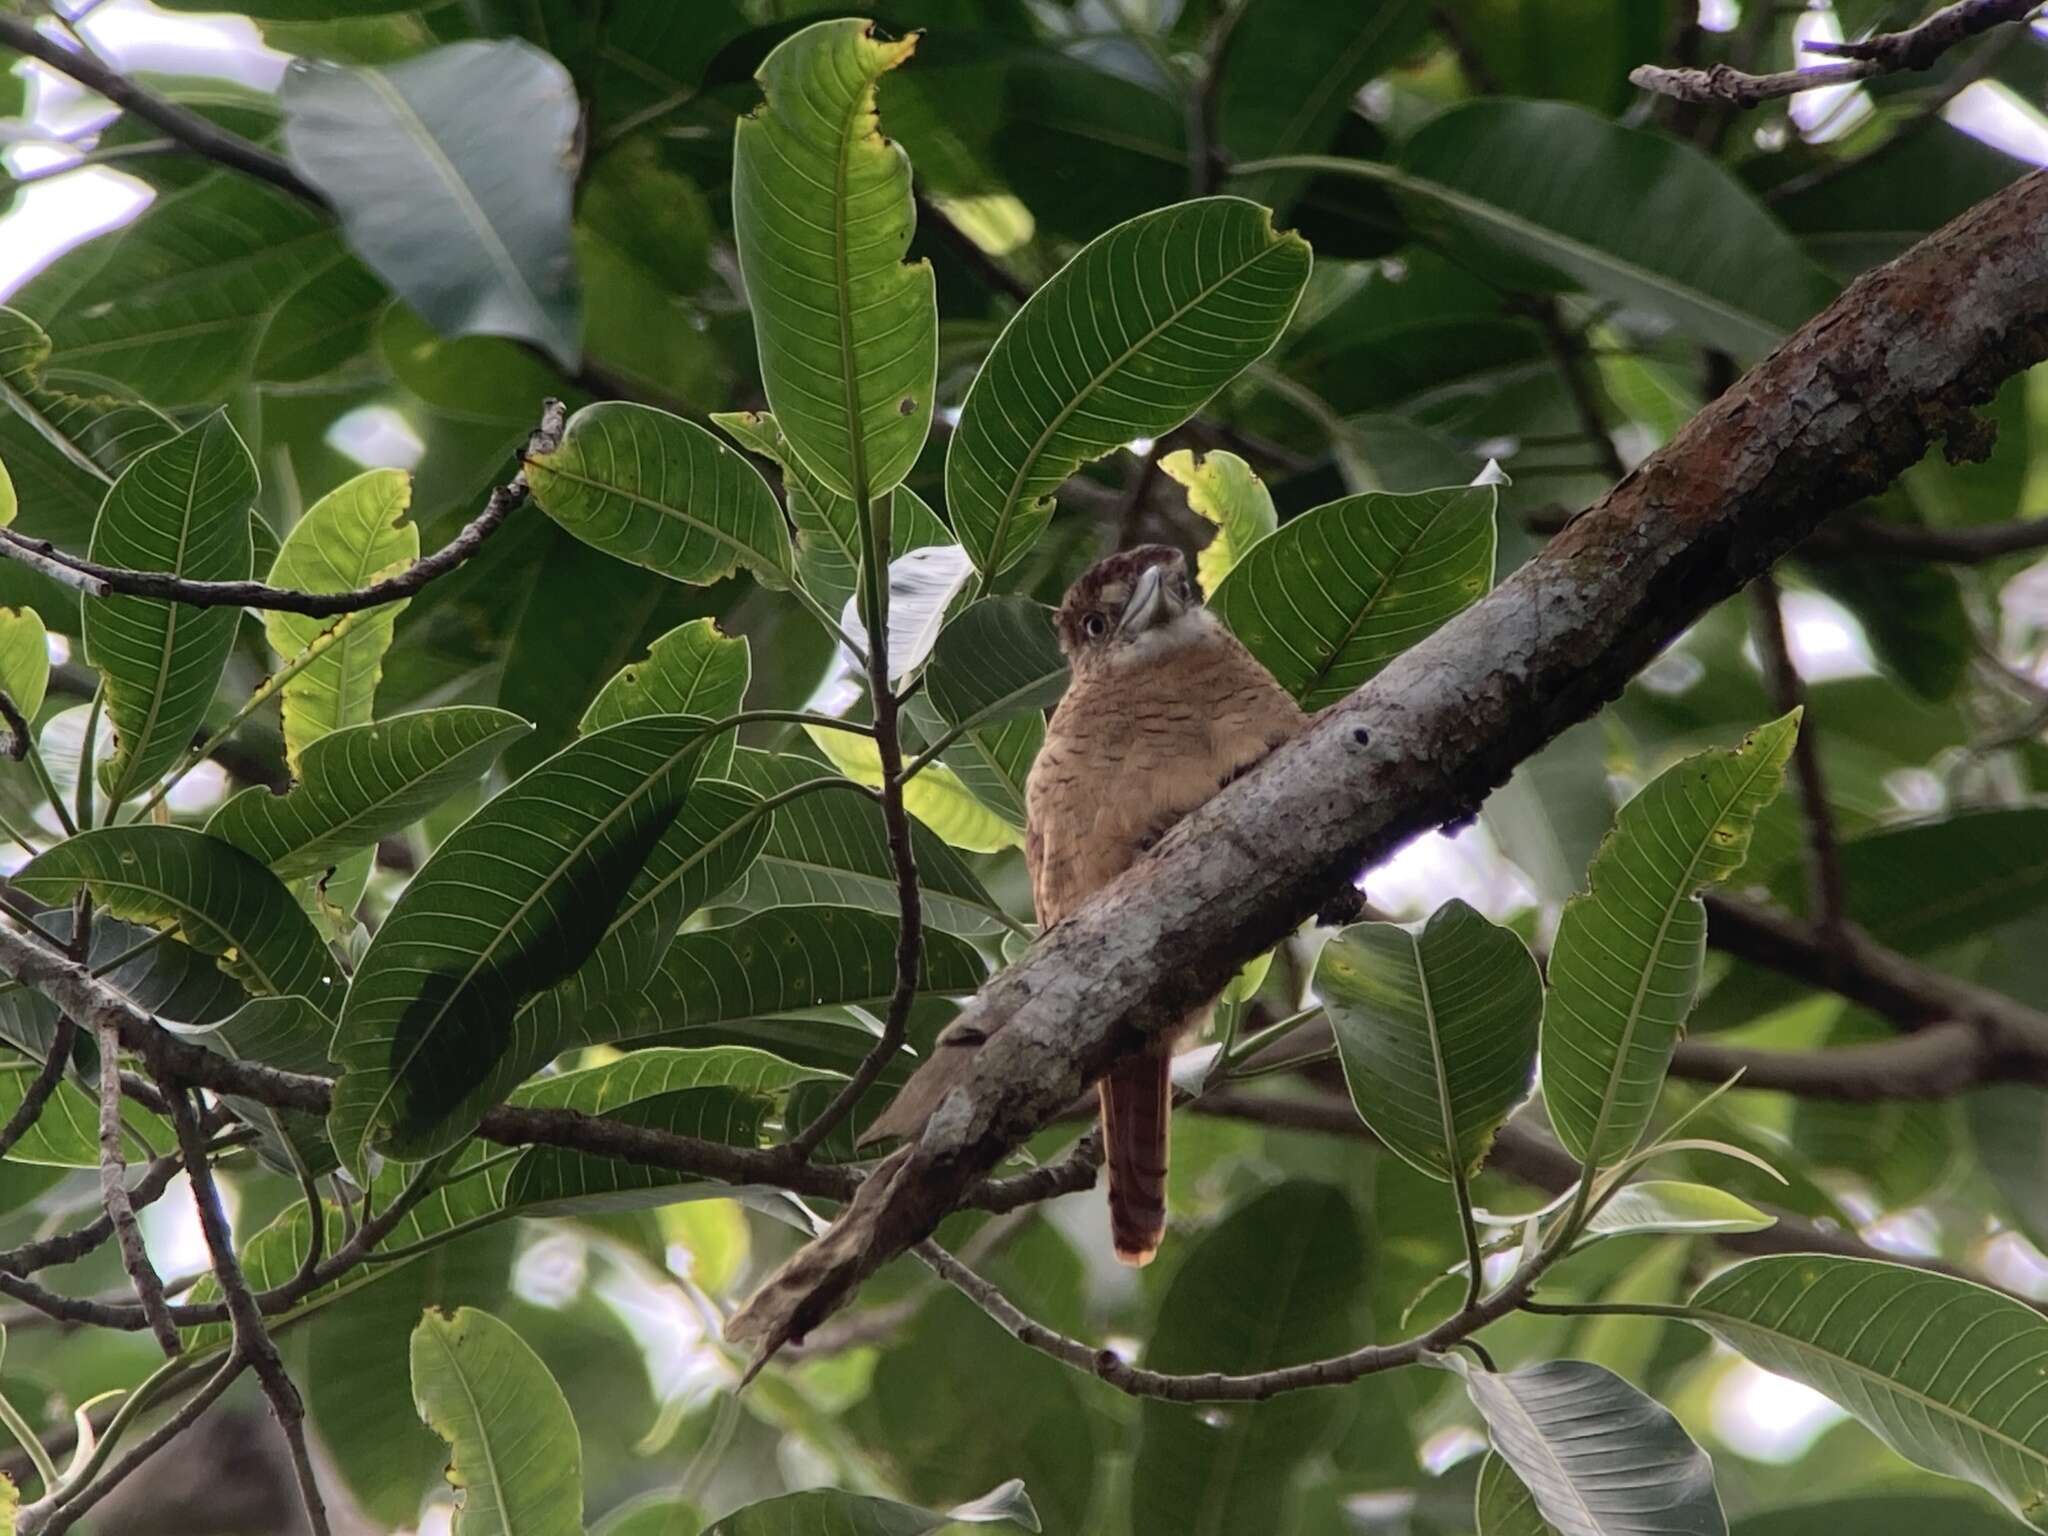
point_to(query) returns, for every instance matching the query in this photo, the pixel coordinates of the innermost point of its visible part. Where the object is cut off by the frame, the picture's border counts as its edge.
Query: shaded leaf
(996, 659)
(551, 1180)
(1503, 1505)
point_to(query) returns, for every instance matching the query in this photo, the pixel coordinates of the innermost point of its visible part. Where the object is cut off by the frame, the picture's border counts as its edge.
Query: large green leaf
(1436, 1032)
(1879, 1514)
(514, 1456)
(468, 224)
(996, 659)
(829, 847)
(992, 762)
(363, 783)
(1223, 489)
(821, 206)
(1944, 1372)
(828, 1512)
(215, 897)
(1546, 195)
(183, 507)
(694, 669)
(1626, 963)
(1146, 323)
(798, 957)
(354, 535)
(1342, 590)
(511, 905)
(661, 492)
(24, 658)
(67, 1132)
(1280, 1280)
(1597, 1457)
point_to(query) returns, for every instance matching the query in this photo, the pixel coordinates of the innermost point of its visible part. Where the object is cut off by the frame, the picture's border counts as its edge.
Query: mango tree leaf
(647, 1074)
(662, 492)
(1626, 963)
(1597, 1456)
(363, 783)
(828, 552)
(469, 228)
(354, 535)
(828, 1512)
(1343, 589)
(694, 669)
(1943, 1371)
(512, 904)
(821, 204)
(514, 1456)
(991, 762)
(1280, 1280)
(935, 797)
(214, 896)
(182, 507)
(828, 846)
(926, 587)
(997, 659)
(1149, 321)
(1666, 1205)
(1436, 1032)
(67, 1133)
(24, 659)
(1502, 1504)
(1222, 488)
(553, 1180)
(652, 1514)
(1879, 1514)
(798, 957)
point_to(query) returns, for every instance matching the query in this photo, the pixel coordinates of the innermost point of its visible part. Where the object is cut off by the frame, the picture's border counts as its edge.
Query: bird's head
(1136, 603)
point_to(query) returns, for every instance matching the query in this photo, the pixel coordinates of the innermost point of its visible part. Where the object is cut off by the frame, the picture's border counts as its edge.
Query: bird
(1165, 706)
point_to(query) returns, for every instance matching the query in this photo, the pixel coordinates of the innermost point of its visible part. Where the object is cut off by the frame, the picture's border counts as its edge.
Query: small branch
(252, 1339)
(1568, 352)
(1935, 1063)
(1826, 892)
(19, 736)
(1872, 537)
(1916, 48)
(96, 580)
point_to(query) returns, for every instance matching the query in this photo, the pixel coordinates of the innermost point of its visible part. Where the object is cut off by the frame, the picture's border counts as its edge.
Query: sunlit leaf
(1664, 1205)
(24, 659)
(1223, 489)
(935, 797)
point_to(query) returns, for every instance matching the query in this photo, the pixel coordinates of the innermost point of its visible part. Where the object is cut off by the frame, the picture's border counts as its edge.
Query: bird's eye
(1094, 626)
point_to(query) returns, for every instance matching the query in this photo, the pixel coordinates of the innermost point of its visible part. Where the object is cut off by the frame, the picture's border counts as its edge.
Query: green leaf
(182, 507)
(363, 783)
(829, 847)
(1879, 1514)
(1280, 1280)
(67, 1133)
(354, 535)
(652, 1514)
(213, 896)
(1503, 1505)
(1664, 1205)
(798, 957)
(1626, 963)
(515, 1458)
(511, 905)
(1223, 489)
(1343, 589)
(821, 206)
(659, 1070)
(1944, 1372)
(468, 226)
(1148, 321)
(24, 659)
(1597, 1457)
(828, 1512)
(694, 669)
(552, 1180)
(662, 492)
(935, 797)
(997, 659)
(1436, 1032)
(828, 552)
(9, 502)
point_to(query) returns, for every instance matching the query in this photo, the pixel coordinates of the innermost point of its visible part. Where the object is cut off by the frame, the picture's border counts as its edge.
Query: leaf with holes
(1343, 589)
(468, 226)
(182, 507)
(354, 535)
(1597, 1457)
(1436, 1032)
(662, 492)
(1147, 323)
(1223, 490)
(210, 894)
(1945, 1372)
(694, 669)
(511, 905)
(848, 332)
(364, 783)
(1626, 963)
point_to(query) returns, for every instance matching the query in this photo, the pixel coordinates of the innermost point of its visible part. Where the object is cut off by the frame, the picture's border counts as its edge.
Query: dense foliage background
(1519, 257)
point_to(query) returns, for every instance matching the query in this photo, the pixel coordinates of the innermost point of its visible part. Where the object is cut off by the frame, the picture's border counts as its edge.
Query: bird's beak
(1151, 603)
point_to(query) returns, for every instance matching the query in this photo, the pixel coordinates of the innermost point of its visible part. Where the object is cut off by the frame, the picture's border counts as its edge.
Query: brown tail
(1136, 1098)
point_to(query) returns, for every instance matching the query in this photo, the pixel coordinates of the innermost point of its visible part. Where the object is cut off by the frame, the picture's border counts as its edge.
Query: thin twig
(19, 736)
(1827, 892)
(252, 1339)
(1568, 352)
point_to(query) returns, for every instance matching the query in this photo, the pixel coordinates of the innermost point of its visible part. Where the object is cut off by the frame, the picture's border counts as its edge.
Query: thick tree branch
(1833, 416)
(1915, 48)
